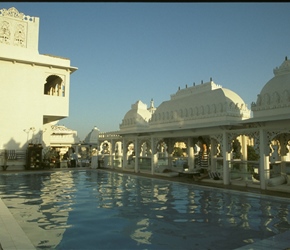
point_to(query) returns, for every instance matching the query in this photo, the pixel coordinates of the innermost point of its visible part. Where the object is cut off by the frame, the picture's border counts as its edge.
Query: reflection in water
(102, 210)
(40, 203)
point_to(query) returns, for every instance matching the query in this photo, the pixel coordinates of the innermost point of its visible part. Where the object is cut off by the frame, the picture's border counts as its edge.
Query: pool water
(95, 209)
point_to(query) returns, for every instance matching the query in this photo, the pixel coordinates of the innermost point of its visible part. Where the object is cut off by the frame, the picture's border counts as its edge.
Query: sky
(127, 52)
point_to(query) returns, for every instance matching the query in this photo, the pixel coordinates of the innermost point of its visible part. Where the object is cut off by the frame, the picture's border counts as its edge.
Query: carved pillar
(124, 154)
(283, 152)
(226, 158)
(190, 153)
(112, 153)
(244, 148)
(244, 167)
(213, 153)
(154, 156)
(136, 149)
(170, 145)
(264, 159)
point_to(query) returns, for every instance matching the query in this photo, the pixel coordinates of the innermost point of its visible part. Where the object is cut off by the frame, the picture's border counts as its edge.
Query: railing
(243, 170)
(12, 158)
(144, 163)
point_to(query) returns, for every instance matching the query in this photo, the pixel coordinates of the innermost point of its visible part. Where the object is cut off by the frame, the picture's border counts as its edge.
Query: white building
(34, 87)
(223, 119)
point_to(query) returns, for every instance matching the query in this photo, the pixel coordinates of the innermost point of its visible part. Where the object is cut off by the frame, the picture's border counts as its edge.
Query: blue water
(94, 209)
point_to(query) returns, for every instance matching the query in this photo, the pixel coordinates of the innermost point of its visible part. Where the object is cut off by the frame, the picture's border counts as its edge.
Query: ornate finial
(12, 12)
(179, 88)
(201, 81)
(152, 103)
(210, 79)
(193, 83)
(284, 68)
(186, 86)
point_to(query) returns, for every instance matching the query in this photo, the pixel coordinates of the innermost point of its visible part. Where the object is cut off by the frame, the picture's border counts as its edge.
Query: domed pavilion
(240, 147)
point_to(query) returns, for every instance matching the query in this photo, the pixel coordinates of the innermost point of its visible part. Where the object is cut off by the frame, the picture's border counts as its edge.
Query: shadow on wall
(13, 144)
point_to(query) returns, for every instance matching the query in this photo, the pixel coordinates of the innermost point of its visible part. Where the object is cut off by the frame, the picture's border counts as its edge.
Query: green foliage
(252, 155)
(177, 152)
(49, 153)
(236, 149)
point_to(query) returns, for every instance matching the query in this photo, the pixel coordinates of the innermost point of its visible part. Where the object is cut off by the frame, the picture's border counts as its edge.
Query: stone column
(264, 168)
(136, 149)
(112, 153)
(169, 150)
(213, 153)
(153, 160)
(226, 158)
(124, 154)
(244, 151)
(190, 152)
(244, 148)
(283, 154)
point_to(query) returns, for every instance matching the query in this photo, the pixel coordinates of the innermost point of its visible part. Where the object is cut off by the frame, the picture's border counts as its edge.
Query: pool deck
(12, 237)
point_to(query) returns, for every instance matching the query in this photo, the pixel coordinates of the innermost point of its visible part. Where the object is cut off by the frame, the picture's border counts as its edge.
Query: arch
(213, 108)
(220, 108)
(54, 85)
(130, 151)
(196, 111)
(266, 99)
(145, 148)
(232, 106)
(259, 100)
(276, 98)
(186, 112)
(191, 112)
(105, 147)
(181, 113)
(201, 110)
(175, 114)
(207, 109)
(286, 96)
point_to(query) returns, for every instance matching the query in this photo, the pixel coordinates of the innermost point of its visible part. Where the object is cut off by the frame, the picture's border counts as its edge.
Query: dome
(93, 136)
(200, 104)
(274, 98)
(137, 117)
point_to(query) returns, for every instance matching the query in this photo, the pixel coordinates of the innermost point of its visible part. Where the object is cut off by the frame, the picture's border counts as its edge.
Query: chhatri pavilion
(244, 150)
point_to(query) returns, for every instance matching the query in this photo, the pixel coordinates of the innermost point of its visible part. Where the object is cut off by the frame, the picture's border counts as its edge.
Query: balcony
(55, 106)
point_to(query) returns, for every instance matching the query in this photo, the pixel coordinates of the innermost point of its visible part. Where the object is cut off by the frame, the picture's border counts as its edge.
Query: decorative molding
(12, 12)
(284, 68)
(5, 32)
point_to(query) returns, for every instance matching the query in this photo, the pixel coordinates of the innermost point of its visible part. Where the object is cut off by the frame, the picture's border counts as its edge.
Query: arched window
(181, 113)
(159, 116)
(54, 86)
(286, 96)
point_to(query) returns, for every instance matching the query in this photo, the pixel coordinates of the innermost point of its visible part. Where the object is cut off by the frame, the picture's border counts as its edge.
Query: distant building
(62, 138)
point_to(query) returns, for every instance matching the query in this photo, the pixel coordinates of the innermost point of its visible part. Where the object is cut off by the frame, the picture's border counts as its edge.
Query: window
(54, 86)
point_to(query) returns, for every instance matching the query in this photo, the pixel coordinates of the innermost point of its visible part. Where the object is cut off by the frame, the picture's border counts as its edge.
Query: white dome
(93, 136)
(137, 117)
(274, 98)
(204, 103)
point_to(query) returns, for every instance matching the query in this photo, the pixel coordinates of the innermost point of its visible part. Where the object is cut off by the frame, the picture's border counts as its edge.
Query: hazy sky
(127, 52)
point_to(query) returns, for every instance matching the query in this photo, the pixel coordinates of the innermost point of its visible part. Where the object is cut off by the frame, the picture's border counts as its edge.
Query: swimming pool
(95, 209)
